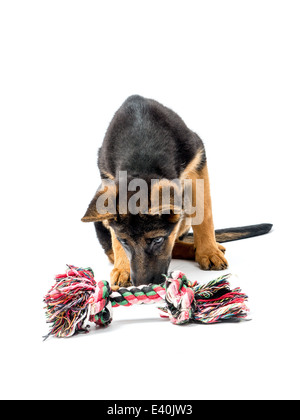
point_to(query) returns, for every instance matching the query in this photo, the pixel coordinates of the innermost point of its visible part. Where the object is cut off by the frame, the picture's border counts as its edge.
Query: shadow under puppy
(147, 141)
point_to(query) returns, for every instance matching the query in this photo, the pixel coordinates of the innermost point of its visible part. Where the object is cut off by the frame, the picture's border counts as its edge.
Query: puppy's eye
(123, 241)
(154, 244)
(158, 241)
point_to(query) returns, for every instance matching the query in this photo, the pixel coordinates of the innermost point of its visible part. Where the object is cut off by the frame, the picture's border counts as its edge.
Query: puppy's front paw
(119, 278)
(212, 258)
(221, 247)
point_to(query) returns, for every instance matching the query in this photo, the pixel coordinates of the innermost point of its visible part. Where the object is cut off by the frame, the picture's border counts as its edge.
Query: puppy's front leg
(209, 254)
(120, 275)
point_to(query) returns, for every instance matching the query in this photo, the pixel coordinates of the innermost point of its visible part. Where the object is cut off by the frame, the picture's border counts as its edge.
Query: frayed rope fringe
(76, 299)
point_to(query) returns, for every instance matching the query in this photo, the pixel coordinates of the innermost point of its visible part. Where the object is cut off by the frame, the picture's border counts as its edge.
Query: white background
(231, 71)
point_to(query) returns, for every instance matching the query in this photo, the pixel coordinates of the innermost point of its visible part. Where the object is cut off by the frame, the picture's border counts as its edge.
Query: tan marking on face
(154, 234)
(171, 239)
(184, 226)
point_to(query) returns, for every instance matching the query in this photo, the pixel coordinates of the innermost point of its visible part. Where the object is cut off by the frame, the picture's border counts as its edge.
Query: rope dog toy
(76, 298)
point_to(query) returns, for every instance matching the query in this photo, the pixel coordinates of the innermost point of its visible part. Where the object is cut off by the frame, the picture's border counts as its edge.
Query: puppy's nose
(158, 279)
(155, 279)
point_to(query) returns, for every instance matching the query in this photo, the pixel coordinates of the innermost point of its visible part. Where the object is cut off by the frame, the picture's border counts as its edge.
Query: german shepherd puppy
(150, 141)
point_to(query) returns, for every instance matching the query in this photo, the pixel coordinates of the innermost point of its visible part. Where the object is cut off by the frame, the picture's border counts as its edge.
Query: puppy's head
(147, 235)
(148, 242)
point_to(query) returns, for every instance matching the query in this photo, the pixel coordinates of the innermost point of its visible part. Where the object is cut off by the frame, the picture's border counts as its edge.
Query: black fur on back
(146, 138)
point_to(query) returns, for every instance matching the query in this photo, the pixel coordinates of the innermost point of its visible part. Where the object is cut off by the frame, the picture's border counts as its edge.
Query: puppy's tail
(234, 234)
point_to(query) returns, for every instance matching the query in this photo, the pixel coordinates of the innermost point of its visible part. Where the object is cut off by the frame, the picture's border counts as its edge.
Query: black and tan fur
(150, 141)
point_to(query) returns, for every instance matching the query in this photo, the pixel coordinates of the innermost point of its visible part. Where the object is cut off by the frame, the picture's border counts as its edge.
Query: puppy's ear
(103, 204)
(166, 198)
